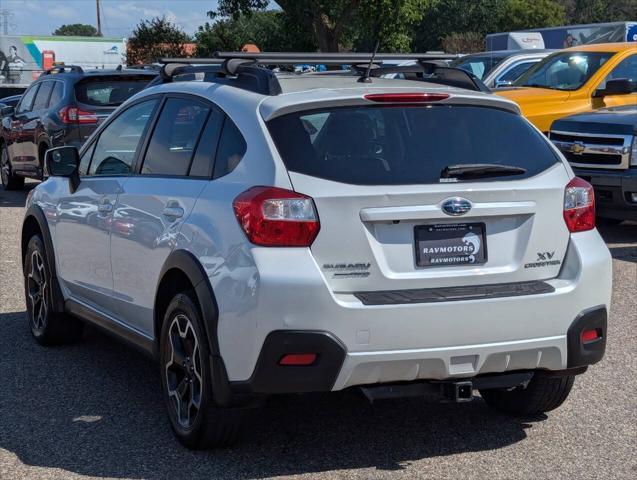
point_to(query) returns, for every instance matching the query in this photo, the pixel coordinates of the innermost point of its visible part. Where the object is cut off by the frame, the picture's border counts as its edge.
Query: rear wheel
(543, 394)
(10, 181)
(47, 327)
(185, 377)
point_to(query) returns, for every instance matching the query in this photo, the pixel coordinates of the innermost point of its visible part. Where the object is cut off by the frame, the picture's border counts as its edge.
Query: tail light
(274, 217)
(406, 97)
(579, 206)
(76, 115)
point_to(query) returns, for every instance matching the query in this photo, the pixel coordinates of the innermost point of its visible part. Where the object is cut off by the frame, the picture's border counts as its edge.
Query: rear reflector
(590, 335)
(298, 359)
(579, 206)
(274, 217)
(406, 97)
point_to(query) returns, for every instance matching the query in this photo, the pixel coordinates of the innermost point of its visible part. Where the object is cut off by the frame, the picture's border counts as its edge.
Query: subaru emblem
(456, 206)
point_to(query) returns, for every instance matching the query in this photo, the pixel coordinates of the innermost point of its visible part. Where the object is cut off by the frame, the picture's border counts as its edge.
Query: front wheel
(47, 326)
(10, 181)
(186, 381)
(543, 394)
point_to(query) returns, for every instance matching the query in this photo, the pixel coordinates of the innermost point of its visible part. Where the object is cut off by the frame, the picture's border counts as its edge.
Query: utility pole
(99, 20)
(4, 20)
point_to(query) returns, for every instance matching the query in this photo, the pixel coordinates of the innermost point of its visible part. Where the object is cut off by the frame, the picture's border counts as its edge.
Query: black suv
(62, 107)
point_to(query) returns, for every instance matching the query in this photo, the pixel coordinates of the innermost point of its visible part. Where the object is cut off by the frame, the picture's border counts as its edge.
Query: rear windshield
(406, 145)
(479, 66)
(109, 92)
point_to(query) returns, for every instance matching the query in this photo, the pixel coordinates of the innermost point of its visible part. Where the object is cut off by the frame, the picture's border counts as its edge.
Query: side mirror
(621, 86)
(503, 83)
(64, 162)
(7, 110)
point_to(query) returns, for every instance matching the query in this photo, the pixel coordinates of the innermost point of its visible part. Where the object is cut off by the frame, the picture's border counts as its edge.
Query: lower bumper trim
(454, 294)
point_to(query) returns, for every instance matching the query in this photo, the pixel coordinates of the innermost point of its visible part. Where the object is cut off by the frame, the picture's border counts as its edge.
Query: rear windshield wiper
(480, 170)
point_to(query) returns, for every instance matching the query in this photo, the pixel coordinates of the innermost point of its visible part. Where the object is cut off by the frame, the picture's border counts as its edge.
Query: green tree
(526, 14)
(327, 20)
(448, 17)
(271, 31)
(597, 11)
(391, 23)
(155, 38)
(76, 30)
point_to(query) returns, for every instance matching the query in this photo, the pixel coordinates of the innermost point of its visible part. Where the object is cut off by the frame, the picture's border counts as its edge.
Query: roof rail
(63, 69)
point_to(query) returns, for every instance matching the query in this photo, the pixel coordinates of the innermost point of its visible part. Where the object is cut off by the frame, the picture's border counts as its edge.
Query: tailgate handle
(424, 212)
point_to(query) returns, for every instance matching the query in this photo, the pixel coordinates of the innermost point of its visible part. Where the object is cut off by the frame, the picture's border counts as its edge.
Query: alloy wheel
(5, 168)
(37, 291)
(183, 371)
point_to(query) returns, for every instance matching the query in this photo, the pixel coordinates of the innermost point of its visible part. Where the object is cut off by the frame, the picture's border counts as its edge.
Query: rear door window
(175, 137)
(109, 92)
(42, 98)
(232, 148)
(56, 94)
(407, 145)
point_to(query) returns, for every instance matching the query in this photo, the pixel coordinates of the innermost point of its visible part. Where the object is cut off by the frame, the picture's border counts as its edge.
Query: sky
(119, 17)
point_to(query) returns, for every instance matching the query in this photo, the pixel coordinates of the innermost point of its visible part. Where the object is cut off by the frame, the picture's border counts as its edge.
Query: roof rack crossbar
(242, 74)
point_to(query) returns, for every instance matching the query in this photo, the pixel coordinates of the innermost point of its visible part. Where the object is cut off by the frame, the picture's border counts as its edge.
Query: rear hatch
(404, 204)
(98, 96)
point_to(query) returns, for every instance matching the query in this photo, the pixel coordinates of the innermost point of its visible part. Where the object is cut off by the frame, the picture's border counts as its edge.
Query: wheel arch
(182, 266)
(35, 223)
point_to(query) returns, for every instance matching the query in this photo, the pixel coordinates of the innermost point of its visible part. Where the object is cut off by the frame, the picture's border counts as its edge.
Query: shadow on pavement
(621, 240)
(15, 198)
(94, 408)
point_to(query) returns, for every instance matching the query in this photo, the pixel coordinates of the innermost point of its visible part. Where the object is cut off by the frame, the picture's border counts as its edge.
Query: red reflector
(406, 97)
(302, 359)
(590, 335)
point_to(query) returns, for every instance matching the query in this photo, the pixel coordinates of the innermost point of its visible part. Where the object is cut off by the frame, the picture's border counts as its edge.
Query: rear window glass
(406, 145)
(110, 92)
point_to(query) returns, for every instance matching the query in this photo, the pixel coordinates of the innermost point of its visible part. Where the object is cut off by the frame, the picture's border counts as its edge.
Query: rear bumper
(411, 342)
(613, 191)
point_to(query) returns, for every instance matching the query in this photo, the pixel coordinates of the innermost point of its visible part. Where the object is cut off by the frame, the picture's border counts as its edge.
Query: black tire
(10, 181)
(47, 327)
(543, 394)
(185, 379)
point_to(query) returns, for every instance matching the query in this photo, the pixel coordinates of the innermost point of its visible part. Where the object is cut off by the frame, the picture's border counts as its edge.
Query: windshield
(401, 145)
(564, 70)
(480, 66)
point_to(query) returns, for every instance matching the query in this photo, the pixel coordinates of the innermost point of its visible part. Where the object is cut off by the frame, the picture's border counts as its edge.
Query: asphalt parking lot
(93, 410)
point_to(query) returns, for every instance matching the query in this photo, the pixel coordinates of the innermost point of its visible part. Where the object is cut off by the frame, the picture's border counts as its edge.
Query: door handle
(173, 212)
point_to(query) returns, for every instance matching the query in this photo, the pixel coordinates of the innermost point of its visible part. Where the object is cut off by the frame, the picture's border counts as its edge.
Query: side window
(174, 140)
(57, 93)
(27, 99)
(204, 156)
(85, 159)
(42, 98)
(515, 71)
(627, 69)
(119, 141)
(232, 147)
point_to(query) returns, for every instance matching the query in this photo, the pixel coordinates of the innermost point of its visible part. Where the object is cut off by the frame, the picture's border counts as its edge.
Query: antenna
(366, 78)
(99, 20)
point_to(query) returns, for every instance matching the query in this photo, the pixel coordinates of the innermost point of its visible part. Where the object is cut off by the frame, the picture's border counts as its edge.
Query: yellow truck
(578, 79)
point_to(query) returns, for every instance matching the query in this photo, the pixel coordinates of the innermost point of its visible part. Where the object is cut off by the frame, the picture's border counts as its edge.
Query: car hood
(528, 97)
(615, 120)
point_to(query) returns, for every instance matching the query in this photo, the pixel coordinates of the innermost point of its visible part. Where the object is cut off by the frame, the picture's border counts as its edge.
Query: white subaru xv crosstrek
(262, 233)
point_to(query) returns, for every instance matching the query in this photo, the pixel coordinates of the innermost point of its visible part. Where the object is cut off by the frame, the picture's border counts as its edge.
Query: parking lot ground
(93, 410)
